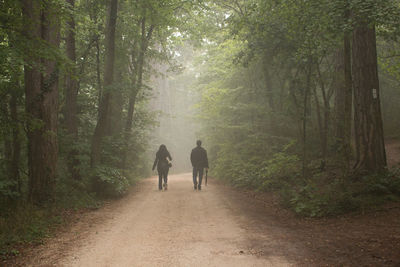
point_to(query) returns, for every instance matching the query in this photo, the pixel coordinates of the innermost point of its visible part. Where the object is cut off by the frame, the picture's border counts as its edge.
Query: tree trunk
(343, 102)
(103, 123)
(16, 145)
(348, 101)
(267, 59)
(322, 132)
(71, 93)
(368, 126)
(305, 114)
(138, 79)
(7, 136)
(323, 125)
(98, 74)
(41, 89)
(116, 109)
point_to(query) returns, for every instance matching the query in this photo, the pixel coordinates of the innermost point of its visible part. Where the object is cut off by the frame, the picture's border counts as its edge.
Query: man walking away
(199, 160)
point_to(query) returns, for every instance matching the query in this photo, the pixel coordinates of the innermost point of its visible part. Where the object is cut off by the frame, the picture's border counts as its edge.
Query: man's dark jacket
(198, 157)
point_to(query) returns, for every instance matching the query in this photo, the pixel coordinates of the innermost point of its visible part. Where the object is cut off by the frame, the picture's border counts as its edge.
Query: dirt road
(178, 227)
(218, 226)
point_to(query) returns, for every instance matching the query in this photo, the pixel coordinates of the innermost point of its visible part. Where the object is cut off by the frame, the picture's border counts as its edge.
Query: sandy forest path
(218, 226)
(178, 227)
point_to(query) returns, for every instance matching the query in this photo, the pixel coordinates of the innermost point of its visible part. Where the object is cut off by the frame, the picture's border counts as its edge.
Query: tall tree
(14, 167)
(368, 127)
(42, 25)
(137, 70)
(71, 94)
(103, 123)
(344, 101)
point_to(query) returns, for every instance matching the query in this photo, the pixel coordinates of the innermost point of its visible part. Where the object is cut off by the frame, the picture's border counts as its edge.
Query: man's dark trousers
(198, 171)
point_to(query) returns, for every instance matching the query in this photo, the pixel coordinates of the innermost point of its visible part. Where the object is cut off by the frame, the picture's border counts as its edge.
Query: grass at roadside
(23, 224)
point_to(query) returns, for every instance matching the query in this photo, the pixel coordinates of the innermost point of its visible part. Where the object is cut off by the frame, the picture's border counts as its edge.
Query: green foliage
(273, 65)
(6, 189)
(21, 222)
(280, 171)
(323, 195)
(110, 181)
(25, 223)
(319, 194)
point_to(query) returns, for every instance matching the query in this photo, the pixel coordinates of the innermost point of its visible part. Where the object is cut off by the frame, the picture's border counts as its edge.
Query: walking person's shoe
(165, 186)
(195, 187)
(199, 187)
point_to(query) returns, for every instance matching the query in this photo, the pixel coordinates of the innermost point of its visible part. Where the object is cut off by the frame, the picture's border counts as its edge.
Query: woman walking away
(163, 166)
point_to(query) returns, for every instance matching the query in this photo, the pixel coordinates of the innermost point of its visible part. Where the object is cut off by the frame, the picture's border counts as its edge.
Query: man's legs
(200, 178)
(195, 178)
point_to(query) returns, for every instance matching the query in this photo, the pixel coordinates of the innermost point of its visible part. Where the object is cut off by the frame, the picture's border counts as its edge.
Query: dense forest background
(292, 97)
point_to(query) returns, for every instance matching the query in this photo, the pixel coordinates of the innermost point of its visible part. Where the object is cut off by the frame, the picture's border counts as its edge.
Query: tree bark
(344, 102)
(368, 126)
(305, 114)
(71, 93)
(117, 104)
(98, 74)
(267, 59)
(41, 89)
(103, 123)
(322, 132)
(5, 108)
(16, 145)
(325, 123)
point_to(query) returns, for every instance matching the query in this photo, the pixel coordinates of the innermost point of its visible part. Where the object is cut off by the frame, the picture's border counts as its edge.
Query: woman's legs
(160, 176)
(165, 176)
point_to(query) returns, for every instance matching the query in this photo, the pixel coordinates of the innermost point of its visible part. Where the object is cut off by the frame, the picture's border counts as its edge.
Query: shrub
(321, 193)
(327, 196)
(110, 181)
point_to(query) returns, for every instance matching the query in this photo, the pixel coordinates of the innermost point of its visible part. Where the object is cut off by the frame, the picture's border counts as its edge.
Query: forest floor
(218, 226)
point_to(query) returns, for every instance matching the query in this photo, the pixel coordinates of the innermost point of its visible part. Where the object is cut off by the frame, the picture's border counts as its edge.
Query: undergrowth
(22, 223)
(319, 193)
(324, 194)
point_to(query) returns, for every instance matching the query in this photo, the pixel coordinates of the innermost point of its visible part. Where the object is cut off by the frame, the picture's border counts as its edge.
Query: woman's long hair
(162, 151)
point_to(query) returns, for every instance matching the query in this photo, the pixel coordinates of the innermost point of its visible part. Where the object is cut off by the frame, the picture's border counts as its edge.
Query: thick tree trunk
(344, 102)
(41, 89)
(7, 137)
(370, 148)
(103, 123)
(16, 145)
(71, 93)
